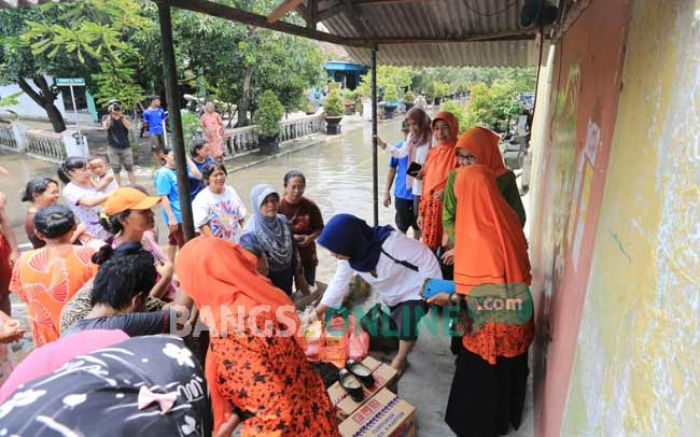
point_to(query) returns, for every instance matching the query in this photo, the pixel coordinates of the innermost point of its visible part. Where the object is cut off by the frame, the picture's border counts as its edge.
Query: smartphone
(413, 169)
(434, 286)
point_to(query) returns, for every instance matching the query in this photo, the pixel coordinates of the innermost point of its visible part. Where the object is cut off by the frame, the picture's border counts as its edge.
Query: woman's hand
(387, 199)
(440, 299)
(448, 258)
(229, 426)
(438, 195)
(302, 240)
(380, 143)
(419, 175)
(79, 231)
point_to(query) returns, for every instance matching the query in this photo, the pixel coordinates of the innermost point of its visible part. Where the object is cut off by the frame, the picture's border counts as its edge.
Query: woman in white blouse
(393, 263)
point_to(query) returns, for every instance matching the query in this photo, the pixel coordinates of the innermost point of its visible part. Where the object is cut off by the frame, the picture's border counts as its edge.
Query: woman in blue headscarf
(393, 263)
(271, 231)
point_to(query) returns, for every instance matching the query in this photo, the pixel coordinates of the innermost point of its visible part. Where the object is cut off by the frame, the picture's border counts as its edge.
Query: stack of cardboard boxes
(381, 413)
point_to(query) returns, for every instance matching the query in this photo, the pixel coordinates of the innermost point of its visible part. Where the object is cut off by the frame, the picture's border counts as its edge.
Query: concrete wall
(615, 243)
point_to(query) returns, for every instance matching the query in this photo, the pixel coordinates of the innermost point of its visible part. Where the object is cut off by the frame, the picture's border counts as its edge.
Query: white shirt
(112, 186)
(421, 156)
(87, 215)
(396, 283)
(222, 212)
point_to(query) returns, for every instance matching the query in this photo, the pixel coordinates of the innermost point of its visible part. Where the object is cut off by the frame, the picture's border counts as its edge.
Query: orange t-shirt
(45, 279)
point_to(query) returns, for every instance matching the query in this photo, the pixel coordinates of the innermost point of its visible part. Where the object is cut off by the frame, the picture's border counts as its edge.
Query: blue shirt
(154, 117)
(165, 180)
(197, 185)
(401, 165)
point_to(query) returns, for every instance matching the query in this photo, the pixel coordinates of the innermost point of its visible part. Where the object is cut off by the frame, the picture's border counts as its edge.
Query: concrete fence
(243, 140)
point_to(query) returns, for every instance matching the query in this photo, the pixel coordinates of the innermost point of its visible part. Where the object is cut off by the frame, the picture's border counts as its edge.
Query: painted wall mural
(638, 348)
(583, 104)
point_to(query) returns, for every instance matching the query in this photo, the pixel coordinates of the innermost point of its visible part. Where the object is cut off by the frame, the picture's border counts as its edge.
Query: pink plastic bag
(358, 342)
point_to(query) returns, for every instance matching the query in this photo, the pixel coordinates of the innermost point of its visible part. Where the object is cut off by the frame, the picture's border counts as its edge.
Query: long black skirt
(486, 399)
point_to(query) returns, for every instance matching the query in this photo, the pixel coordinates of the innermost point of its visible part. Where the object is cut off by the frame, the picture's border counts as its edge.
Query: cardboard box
(383, 415)
(384, 376)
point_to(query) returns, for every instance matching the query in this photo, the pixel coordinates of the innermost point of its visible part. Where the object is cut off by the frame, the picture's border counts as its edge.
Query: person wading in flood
(119, 149)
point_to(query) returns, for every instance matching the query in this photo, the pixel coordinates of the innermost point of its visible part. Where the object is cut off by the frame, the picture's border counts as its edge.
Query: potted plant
(391, 100)
(267, 117)
(409, 99)
(309, 108)
(333, 109)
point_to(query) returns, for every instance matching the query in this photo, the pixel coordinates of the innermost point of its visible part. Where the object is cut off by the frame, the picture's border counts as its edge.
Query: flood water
(338, 172)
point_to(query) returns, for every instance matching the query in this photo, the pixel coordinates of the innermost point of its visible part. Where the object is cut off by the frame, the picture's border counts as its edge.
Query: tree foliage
(115, 46)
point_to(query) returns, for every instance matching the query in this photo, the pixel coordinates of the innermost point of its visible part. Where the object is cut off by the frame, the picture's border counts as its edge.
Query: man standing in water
(154, 116)
(119, 150)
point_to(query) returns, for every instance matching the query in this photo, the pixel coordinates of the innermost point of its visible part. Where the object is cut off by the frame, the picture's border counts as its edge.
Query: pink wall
(586, 82)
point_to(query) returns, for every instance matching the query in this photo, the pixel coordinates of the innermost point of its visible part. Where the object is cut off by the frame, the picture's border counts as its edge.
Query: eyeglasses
(466, 157)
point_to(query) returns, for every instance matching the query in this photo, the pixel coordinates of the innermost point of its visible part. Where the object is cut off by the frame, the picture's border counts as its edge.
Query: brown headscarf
(483, 144)
(441, 158)
(416, 141)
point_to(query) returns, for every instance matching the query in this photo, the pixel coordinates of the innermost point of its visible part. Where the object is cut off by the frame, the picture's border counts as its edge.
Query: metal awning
(433, 33)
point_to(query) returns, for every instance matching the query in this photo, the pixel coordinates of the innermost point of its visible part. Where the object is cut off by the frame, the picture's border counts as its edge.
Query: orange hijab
(218, 273)
(483, 144)
(441, 158)
(490, 246)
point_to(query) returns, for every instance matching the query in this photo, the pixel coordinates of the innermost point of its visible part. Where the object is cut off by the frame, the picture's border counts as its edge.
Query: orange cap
(128, 198)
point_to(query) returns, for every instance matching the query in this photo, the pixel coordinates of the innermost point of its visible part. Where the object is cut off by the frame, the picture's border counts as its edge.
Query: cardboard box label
(383, 415)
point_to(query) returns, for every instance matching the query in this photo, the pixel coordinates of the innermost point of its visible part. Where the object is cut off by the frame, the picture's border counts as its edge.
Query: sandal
(361, 371)
(351, 385)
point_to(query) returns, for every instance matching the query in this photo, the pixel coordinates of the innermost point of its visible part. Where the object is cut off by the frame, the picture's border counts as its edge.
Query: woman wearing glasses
(479, 145)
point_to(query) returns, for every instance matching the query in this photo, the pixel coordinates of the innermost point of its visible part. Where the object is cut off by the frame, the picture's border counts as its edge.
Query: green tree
(87, 39)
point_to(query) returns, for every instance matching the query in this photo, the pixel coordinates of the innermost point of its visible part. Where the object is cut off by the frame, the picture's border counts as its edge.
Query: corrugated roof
(437, 19)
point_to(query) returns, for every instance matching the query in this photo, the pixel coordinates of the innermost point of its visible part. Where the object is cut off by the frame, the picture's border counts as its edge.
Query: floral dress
(47, 278)
(272, 387)
(213, 127)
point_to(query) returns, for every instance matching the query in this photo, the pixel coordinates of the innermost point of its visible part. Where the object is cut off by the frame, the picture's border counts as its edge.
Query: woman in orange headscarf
(479, 145)
(441, 160)
(492, 279)
(255, 366)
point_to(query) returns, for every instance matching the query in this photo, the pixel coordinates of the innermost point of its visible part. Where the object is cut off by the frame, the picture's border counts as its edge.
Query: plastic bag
(358, 341)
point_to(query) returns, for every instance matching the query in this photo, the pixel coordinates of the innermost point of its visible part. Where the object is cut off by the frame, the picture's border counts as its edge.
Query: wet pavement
(339, 179)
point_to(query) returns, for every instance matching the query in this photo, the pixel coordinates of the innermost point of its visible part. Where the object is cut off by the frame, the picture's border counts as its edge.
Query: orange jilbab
(440, 161)
(265, 377)
(483, 144)
(490, 248)
(45, 279)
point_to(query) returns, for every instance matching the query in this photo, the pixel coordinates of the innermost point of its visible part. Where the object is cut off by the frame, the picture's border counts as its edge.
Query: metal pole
(173, 100)
(375, 171)
(75, 115)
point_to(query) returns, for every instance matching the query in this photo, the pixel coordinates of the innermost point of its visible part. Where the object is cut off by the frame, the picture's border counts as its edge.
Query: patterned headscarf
(273, 233)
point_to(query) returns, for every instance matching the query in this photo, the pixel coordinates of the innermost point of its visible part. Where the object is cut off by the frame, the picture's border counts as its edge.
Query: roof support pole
(174, 116)
(375, 170)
